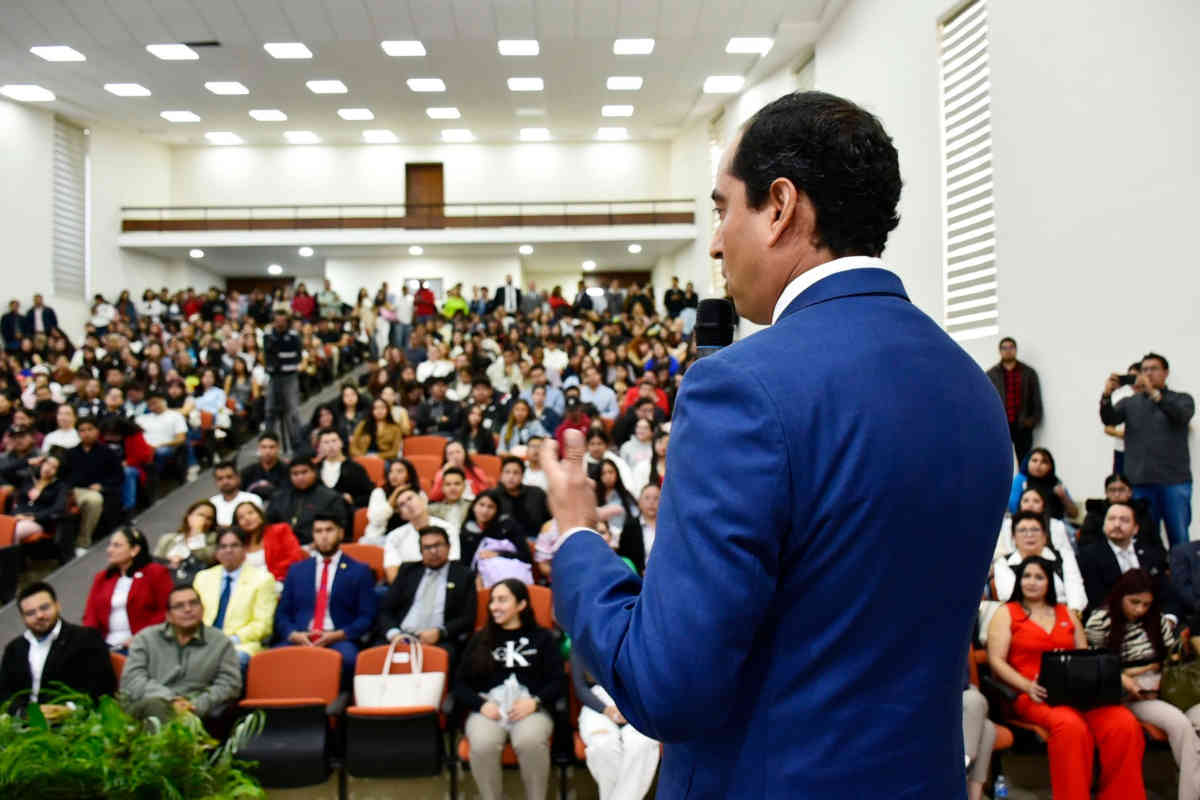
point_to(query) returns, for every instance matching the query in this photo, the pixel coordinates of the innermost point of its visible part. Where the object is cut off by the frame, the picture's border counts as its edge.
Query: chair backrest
(540, 597)
(424, 446)
(433, 658)
(6, 493)
(360, 523)
(374, 466)
(369, 554)
(427, 468)
(118, 664)
(489, 464)
(206, 420)
(8, 530)
(284, 673)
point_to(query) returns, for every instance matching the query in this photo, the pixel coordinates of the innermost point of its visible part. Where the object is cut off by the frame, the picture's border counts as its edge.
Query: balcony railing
(422, 217)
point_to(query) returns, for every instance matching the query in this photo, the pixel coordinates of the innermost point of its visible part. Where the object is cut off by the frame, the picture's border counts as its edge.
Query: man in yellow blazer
(239, 598)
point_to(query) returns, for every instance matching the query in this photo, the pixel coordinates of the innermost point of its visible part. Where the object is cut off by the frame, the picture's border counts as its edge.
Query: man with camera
(1156, 448)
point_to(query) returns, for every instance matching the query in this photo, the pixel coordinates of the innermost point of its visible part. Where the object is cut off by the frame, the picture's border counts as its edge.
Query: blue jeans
(129, 488)
(1172, 504)
(399, 333)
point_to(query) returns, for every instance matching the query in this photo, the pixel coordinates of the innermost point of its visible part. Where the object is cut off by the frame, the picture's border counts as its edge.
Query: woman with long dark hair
(473, 435)
(512, 644)
(382, 515)
(455, 455)
(616, 505)
(484, 522)
(130, 593)
(350, 410)
(378, 434)
(272, 547)
(1039, 472)
(193, 545)
(1034, 622)
(1131, 624)
(519, 429)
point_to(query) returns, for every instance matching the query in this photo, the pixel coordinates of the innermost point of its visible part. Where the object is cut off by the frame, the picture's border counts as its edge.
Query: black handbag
(1082, 679)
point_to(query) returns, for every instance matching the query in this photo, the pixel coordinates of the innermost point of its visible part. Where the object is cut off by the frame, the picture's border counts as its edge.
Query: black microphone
(714, 326)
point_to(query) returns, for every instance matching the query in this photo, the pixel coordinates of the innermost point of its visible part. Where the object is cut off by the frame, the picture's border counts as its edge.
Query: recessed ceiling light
(589, 265)
(416, 250)
(268, 115)
(195, 252)
(525, 84)
(408, 48)
(616, 111)
(535, 134)
(624, 83)
(749, 44)
(525, 249)
(306, 251)
(226, 87)
(180, 116)
(457, 135)
(518, 47)
(379, 136)
(223, 137)
(356, 113)
(635, 248)
(173, 52)
(301, 137)
(531, 112)
(58, 52)
(723, 84)
(426, 84)
(127, 89)
(288, 50)
(633, 47)
(327, 87)
(27, 92)
(444, 112)
(612, 134)
(274, 269)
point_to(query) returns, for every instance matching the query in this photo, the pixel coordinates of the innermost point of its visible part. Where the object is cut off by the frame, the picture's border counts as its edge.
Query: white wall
(1095, 181)
(375, 174)
(348, 275)
(568, 279)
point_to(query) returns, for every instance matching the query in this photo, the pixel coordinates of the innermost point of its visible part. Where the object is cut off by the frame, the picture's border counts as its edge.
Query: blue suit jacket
(352, 600)
(836, 484)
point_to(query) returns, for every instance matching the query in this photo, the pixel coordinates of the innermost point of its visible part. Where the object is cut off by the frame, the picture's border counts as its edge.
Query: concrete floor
(579, 782)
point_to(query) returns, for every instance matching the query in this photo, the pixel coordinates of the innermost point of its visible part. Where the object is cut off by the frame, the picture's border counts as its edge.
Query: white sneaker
(193, 472)
(80, 552)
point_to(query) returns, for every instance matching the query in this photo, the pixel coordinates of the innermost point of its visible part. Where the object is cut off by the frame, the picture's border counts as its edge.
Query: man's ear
(791, 212)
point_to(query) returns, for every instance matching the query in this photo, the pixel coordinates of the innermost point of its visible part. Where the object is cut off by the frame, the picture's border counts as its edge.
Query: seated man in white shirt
(453, 506)
(595, 393)
(165, 429)
(229, 493)
(648, 506)
(65, 435)
(534, 476)
(403, 544)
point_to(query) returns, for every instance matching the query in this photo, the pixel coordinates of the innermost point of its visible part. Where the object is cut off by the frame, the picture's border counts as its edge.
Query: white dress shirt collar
(1126, 556)
(39, 651)
(809, 277)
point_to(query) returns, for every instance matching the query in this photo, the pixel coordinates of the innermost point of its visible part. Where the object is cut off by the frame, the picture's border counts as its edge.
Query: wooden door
(424, 194)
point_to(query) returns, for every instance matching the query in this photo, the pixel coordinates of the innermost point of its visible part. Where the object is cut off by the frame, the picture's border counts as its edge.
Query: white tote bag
(415, 688)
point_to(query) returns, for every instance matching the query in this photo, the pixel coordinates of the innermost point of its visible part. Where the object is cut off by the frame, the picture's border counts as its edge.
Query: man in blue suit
(836, 483)
(328, 600)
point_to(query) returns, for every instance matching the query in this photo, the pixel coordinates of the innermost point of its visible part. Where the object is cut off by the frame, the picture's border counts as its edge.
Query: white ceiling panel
(267, 20)
(349, 20)
(434, 19)
(639, 15)
(100, 23)
(515, 19)
(556, 18)
(225, 20)
(55, 17)
(678, 19)
(23, 28)
(474, 21)
(391, 19)
(308, 19)
(182, 20)
(139, 19)
(594, 19)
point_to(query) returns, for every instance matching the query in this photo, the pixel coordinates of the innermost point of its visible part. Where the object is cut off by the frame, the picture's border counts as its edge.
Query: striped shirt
(1136, 650)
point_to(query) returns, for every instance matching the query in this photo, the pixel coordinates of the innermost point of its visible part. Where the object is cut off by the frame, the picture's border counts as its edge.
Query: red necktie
(318, 623)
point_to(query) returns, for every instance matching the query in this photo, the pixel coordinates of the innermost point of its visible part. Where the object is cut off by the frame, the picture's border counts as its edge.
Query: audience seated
(1102, 563)
(96, 474)
(268, 473)
(454, 504)
(619, 509)
(455, 455)
(270, 547)
(1038, 472)
(1021, 630)
(303, 498)
(433, 600)
(378, 434)
(439, 414)
(654, 469)
(160, 681)
(193, 545)
(382, 513)
(52, 650)
(979, 738)
(493, 545)
(645, 408)
(328, 600)
(402, 545)
(166, 429)
(1131, 624)
(1028, 539)
(229, 492)
(130, 593)
(1117, 489)
(239, 598)
(511, 671)
(41, 505)
(345, 476)
(1032, 499)
(526, 505)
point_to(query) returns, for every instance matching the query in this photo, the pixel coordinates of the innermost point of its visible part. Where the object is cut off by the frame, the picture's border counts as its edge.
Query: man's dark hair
(282, 312)
(265, 435)
(538, 365)
(1009, 340)
(1134, 367)
(334, 431)
(1125, 503)
(1021, 516)
(481, 381)
(34, 588)
(454, 471)
(645, 401)
(301, 459)
(181, 587)
(1158, 358)
(241, 535)
(224, 465)
(504, 462)
(1116, 477)
(430, 530)
(598, 433)
(837, 154)
(82, 421)
(153, 393)
(324, 516)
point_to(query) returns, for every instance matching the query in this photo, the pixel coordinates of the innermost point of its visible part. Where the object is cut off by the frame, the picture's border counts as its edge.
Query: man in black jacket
(1021, 393)
(12, 327)
(52, 649)
(1103, 562)
(96, 473)
(268, 473)
(438, 415)
(344, 476)
(525, 504)
(433, 600)
(304, 498)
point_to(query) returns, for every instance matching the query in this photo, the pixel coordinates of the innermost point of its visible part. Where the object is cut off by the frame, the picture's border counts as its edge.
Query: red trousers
(1074, 736)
